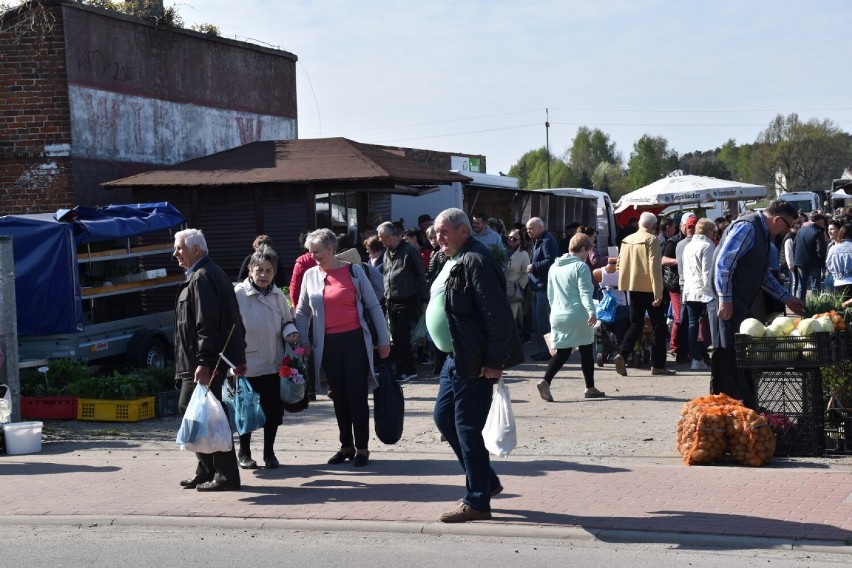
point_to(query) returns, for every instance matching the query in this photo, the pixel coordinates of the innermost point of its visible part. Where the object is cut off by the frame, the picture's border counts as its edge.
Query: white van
(805, 201)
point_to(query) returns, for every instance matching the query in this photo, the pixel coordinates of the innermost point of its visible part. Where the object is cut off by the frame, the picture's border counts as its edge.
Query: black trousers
(269, 389)
(640, 302)
(403, 314)
(587, 363)
(221, 466)
(345, 363)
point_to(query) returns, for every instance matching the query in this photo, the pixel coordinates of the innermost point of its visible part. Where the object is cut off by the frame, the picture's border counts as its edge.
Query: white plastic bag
(6, 405)
(205, 428)
(499, 432)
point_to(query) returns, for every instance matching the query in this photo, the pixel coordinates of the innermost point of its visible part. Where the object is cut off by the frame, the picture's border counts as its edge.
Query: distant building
(91, 95)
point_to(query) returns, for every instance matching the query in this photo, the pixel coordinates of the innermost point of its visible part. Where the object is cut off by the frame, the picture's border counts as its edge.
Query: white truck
(805, 201)
(96, 283)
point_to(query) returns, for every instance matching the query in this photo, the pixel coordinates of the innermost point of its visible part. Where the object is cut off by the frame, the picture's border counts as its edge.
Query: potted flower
(292, 372)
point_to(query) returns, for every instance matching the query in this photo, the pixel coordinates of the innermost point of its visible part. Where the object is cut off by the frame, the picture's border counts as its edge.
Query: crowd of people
(681, 288)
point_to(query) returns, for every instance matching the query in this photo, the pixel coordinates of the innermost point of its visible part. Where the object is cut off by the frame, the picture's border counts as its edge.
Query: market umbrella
(677, 188)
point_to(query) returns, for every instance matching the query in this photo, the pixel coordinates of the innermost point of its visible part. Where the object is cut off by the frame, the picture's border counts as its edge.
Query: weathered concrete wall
(103, 96)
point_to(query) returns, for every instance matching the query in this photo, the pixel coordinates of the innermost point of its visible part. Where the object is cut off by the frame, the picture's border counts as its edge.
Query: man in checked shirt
(740, 271)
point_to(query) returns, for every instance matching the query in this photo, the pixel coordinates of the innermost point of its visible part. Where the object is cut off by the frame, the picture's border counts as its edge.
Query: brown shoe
(620, 367)
(662, 371)
(464, 513)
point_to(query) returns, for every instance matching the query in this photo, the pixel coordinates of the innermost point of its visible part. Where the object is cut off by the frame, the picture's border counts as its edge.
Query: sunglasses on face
(514, 239)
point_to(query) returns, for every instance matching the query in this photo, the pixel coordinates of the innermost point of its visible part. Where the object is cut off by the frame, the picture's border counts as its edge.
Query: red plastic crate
(49, 407)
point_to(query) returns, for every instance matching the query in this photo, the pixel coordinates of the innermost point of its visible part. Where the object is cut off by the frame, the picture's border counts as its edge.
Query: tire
(147, 349)
(599, 359)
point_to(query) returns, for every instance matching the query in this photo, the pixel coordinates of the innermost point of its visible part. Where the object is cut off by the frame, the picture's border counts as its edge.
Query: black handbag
(671, 279)
(388, 407)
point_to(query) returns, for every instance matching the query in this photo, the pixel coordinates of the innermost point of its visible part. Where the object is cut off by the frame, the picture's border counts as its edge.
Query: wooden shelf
(116, 254)
(101, 291)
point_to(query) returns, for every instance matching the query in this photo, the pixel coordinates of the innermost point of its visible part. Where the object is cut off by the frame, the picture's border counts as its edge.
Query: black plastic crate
(838, 436)
(791, 401)
(813, 351)
(166, 403)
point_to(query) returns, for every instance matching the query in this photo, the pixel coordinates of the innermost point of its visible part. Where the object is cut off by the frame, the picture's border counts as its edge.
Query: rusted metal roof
(319, 161)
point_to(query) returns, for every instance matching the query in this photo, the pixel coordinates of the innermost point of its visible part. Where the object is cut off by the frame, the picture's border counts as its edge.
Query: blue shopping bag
(243, 404)
(607, 307)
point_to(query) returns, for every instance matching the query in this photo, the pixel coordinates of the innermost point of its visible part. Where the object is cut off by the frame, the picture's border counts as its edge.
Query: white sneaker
(699, 366)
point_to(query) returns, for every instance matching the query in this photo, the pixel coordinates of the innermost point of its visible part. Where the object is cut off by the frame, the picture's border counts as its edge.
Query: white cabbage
(752, 327)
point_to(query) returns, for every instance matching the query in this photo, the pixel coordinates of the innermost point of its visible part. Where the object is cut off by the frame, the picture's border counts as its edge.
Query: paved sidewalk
(602, 479)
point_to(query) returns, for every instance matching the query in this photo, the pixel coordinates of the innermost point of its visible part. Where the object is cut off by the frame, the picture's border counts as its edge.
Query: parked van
(805, 201)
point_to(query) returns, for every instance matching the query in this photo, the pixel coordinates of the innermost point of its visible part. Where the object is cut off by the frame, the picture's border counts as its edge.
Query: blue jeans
(461, 409)
(808, 278)
(695, 311)
(541, 319)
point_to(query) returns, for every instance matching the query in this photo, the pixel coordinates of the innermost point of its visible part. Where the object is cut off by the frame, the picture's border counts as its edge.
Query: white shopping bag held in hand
(499, 432)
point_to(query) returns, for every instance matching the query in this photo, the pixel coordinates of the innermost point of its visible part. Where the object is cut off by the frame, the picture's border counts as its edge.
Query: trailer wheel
(147, 349)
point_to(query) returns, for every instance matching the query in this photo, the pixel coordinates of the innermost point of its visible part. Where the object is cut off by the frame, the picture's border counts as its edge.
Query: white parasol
(677, 188)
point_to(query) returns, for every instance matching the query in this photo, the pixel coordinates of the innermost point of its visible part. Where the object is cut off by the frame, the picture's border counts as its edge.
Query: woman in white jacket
(697, 292)
(268, 322)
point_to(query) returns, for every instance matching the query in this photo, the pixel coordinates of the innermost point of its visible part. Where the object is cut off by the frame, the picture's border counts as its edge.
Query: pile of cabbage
(792, 336)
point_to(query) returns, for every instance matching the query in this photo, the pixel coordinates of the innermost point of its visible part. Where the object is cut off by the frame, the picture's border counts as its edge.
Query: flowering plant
(293, 365)
(292, 372)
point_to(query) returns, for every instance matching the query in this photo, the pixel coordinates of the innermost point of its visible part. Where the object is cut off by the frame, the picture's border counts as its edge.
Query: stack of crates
(791, 401)
(786, 371)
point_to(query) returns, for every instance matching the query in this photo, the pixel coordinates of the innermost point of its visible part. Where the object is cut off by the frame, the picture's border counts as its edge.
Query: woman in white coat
(516, 272)
(572, 315)
(268, 321)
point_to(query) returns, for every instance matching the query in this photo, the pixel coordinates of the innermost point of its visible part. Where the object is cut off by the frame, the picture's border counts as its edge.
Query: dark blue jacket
(544, 254)
(809, 248)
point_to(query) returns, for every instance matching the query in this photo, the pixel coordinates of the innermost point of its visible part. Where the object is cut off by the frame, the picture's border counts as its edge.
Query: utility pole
(9, 326)
(547, 142)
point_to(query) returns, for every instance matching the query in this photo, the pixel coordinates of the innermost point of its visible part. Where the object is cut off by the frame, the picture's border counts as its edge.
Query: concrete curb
(503, 530)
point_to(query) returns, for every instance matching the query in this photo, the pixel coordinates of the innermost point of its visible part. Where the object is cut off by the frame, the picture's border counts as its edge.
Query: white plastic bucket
(22, 438)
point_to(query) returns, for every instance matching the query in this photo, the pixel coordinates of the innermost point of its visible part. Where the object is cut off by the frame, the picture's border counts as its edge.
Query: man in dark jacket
(469, 318)
(809, 251)
(406, 292)
(544, 254)
(740, 271)
(207, 323)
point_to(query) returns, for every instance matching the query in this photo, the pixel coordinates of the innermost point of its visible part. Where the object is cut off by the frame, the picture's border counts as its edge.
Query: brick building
(90, 95)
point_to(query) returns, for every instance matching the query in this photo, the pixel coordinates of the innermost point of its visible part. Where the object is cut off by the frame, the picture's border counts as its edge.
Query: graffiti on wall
(113, 126)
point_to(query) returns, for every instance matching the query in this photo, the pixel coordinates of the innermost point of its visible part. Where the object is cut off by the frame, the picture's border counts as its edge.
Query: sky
(476, 76)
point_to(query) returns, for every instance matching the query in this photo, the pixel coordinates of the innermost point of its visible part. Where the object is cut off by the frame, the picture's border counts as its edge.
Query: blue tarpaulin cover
(47, 284)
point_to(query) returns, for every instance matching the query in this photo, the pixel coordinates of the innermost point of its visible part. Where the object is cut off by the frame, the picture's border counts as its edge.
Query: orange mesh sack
(750, 439)
(702, 438)
(686, 425)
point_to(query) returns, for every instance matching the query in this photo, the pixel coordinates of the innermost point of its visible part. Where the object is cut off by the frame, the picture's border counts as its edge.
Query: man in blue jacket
(544, 254)
(809, 252)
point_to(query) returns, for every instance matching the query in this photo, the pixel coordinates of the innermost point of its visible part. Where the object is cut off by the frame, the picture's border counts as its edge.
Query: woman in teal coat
(572, 315)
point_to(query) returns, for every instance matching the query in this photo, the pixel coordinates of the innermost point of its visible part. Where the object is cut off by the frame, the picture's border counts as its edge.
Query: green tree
(590, 148)
(531, 171)
(793, 155)
(737, 159)
(705, 163)
(608, 176)
(650, 160)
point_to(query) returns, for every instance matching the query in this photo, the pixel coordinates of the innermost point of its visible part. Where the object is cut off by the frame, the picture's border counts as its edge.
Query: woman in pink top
(337, 297)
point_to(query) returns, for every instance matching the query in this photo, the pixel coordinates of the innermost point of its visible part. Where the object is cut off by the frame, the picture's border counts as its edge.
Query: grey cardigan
(311, 306)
